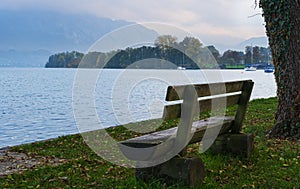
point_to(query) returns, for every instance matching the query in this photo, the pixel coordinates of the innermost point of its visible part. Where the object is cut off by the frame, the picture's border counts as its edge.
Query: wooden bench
(220, 133)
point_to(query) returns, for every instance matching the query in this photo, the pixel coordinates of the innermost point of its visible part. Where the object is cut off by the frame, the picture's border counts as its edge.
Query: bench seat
(198, 129)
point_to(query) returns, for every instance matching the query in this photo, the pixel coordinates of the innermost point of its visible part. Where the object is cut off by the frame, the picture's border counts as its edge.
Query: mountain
(52, 30)
(254, 41)
(29, 37)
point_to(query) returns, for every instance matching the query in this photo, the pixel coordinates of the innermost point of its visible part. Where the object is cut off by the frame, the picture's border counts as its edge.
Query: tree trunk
(283, 30)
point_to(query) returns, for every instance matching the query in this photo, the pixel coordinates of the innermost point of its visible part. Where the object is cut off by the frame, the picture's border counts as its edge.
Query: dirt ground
(14, 162)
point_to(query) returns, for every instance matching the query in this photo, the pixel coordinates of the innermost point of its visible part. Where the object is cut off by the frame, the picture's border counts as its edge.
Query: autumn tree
(166, 43)
(191, 47)
(283, 30)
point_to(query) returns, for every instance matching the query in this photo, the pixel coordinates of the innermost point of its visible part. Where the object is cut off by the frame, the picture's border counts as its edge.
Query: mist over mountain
(25, 30)
(241, 46)
(254, 41)
(29, 37)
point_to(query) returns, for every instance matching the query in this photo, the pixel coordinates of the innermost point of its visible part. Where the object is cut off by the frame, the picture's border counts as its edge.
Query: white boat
(251, 68)
(180, 68)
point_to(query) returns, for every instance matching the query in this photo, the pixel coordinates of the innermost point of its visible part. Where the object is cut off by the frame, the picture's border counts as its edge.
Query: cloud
(214, 19)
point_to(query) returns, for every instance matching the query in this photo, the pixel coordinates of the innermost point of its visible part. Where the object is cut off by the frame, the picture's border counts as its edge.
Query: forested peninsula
(166, 53)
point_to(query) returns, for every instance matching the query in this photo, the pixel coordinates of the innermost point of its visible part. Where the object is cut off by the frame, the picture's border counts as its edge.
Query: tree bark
(283, 30)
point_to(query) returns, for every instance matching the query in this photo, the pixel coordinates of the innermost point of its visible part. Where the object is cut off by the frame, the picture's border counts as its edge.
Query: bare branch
(254, 15)
(255, 4)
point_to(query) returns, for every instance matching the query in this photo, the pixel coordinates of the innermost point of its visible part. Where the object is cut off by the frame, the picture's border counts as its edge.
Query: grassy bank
(274, 163)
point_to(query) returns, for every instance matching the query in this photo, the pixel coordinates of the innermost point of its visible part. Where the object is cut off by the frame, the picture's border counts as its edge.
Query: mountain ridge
(24, 33)
(25, 30)
(261, 41)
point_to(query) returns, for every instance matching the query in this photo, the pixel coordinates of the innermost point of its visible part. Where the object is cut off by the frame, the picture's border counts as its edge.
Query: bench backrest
(236, 92)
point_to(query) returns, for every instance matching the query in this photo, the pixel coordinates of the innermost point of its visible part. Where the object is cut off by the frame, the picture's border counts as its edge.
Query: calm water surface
(36, 103)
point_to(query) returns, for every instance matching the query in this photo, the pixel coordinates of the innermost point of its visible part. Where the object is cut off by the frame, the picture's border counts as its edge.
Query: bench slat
(198, 129)
(175, 92)
(174, 111)
(242, 108)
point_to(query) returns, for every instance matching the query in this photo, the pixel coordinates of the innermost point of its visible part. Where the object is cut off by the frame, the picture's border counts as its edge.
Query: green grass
(273, 164)
(235, 66)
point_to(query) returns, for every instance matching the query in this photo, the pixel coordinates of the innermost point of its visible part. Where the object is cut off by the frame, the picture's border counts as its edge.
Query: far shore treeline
(166, 53)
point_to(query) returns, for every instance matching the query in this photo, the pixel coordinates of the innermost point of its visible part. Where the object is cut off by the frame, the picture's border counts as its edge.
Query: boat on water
(251, 68)
(269, 69)
(181, 68)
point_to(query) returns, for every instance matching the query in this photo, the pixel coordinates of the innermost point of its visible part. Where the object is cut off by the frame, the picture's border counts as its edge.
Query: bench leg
(240, 144)
(189, 171)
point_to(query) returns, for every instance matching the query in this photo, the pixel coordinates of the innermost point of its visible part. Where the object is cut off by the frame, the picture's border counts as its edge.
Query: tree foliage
(166, 42)
(188, 53)
(232, 57)
(257, 54)
(65, 60)
(214, 52)
(185, 53)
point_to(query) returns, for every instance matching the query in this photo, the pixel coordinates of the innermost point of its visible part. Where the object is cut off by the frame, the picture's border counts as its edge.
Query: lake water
(37, 103)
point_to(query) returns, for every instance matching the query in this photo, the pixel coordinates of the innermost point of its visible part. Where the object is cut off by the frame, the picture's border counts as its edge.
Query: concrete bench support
(239, 144)
(189, 171)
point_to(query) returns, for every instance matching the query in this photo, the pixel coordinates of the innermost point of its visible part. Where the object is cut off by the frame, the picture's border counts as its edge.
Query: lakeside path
(67, 162)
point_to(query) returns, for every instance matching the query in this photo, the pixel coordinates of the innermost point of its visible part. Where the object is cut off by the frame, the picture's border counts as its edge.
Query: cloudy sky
(226, 22)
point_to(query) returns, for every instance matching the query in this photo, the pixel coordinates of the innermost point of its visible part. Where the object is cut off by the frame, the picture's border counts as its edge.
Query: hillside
(254, 41)
(26, 34)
